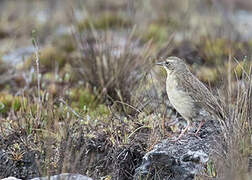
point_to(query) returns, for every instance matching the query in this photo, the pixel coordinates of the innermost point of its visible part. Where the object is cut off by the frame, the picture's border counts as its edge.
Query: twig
(35, 44)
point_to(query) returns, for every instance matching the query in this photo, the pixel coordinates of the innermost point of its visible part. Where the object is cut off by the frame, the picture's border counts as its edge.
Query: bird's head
(172, 64)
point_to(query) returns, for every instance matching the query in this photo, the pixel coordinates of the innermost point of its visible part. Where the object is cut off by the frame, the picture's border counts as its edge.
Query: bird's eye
(166, 63)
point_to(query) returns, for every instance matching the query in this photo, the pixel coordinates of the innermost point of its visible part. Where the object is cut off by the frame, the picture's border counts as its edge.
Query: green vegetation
(104, 21)
(101, 101)
(156, 32)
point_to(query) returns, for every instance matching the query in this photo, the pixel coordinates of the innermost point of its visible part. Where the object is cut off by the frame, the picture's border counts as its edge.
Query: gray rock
(11, 178)
(180, 160)
(64, 176)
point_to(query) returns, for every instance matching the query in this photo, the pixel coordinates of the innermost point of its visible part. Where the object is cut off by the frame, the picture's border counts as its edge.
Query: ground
(79, 91)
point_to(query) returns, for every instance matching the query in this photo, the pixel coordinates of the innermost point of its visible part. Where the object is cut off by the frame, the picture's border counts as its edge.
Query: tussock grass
(236, 148)
(75, 128)
(113, 63)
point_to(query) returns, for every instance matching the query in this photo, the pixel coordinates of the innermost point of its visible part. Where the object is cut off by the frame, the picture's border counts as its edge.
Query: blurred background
(159, 20)
(95, 81)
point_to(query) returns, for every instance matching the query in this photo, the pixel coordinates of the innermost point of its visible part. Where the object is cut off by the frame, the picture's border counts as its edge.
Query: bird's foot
(173, 122)
(181, 134)
(195, 134)
(178, 138)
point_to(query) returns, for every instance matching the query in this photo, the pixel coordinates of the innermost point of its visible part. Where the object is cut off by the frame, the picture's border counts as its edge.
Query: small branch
(35, 44)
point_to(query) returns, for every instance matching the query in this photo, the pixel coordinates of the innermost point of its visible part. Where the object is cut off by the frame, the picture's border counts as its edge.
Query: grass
(111, 65)
(239, 129)
(95, 99)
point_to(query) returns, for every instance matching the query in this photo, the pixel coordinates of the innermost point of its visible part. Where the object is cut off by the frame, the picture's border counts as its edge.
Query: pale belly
(181, 100)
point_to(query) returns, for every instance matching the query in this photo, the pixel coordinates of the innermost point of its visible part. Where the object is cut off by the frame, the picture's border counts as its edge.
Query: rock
(64, 176)
(11, 178)
(180, 160)
(20, 163)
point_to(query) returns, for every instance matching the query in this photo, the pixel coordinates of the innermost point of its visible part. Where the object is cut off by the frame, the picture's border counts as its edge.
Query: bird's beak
(160, 63)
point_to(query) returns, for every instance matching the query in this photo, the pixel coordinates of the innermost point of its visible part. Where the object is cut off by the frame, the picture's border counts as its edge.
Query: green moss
(250, 44)
(156, 32)
(104, 21)
(100, 110)
(64, 43)
(214, 50)
(208, 75)
(49, 58)
(82, 100)
(8, 102)
(169, 21)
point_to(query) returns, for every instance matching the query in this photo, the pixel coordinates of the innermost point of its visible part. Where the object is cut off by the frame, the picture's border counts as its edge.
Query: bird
(187, 94)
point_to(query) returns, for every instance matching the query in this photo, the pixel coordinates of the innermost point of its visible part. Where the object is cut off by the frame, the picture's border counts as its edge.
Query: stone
(180, 160)
(64, 176)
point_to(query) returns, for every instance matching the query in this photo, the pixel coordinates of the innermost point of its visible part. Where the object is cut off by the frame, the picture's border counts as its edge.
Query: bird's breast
(181, 100)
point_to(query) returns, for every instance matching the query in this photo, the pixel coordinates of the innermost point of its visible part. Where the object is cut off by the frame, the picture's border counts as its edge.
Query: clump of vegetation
(50, 59)
(208, 75)
(216, 51)
(104, 21)
(113, 65)
(156, 32)
(65, 43)
(242, 68)
(9, 102)
(238, 128)
(82, 100)
(85, 110)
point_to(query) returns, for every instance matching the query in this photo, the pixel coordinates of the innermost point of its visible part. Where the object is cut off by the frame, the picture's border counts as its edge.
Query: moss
(84, 100)
(250, 44)
(100, 110)
(82, 97)
(8, 102)
(53, 89)
(214, 50)
(67, 74)
(168, 21)
(49, 58)
(105, 21)
(208, 75)
(156, 32)
(64, 43)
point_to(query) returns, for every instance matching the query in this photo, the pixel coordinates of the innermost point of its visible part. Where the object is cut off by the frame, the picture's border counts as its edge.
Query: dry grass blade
(238, 130)
(112, 63)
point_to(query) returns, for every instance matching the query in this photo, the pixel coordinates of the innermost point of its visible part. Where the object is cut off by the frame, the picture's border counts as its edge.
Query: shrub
(112, 64)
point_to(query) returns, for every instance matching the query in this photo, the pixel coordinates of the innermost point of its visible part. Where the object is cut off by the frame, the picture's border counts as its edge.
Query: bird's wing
(200, 93)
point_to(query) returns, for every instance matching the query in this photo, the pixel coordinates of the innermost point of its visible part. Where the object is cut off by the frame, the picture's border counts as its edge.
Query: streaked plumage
(186, 93)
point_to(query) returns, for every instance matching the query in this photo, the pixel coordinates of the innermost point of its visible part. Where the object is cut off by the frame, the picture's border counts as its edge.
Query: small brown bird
(186, 93)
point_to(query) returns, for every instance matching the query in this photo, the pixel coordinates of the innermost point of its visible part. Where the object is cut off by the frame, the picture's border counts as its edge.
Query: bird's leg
(174, 121)
(183, 131)
(163, 123)
(200, 125)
